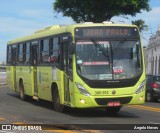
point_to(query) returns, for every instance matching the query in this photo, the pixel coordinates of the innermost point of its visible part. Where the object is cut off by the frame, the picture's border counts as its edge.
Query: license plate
(112, 104)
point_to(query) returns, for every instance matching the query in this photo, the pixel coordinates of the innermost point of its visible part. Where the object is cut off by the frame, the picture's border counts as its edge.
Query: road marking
(2, 119)
(91, 131)
(61, 131)
(148, 108)
(153, 123)
(74, 131)
(17, 123)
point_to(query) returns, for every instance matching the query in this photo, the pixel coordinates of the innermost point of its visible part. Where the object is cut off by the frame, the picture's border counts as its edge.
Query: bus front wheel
(56, 101)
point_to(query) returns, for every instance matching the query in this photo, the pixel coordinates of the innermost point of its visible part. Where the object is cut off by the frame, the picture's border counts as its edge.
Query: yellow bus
(80, 66)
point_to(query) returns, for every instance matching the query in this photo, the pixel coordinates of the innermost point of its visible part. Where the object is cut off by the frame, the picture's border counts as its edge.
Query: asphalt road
(15, 111)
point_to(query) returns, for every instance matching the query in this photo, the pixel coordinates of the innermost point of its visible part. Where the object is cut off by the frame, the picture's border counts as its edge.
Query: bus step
(36, 98)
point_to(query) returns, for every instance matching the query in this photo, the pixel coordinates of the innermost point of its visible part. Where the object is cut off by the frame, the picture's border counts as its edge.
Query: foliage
(99, 10)
(140, 24)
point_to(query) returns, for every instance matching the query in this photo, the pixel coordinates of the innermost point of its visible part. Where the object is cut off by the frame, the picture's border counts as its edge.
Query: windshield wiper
(100, 47)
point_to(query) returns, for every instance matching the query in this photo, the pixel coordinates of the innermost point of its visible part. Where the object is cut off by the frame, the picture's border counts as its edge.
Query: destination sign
(106, 32)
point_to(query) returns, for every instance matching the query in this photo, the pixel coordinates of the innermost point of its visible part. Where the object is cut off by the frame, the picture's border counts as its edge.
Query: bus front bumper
(82, 101)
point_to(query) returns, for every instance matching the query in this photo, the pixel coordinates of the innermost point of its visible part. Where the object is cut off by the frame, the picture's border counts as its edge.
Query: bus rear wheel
(56, 101)
(21, 91)
(113, 110)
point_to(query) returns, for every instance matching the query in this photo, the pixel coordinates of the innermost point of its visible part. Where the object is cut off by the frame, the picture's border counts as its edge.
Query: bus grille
(104, 101)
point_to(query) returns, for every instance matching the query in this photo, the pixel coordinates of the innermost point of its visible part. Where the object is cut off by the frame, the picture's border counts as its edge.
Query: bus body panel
(24, 73)
(9, 78)
(44, 81)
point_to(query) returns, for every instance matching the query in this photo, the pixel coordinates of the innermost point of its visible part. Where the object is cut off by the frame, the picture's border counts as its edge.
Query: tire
(21, 91)
(113, 110)
(56, 101)
(149, 97)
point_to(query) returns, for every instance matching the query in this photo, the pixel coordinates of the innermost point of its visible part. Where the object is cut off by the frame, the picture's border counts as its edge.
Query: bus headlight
(82, 89)
(140, 87)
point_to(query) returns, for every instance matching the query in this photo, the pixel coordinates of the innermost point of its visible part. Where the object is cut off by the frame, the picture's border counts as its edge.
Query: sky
(23, 17)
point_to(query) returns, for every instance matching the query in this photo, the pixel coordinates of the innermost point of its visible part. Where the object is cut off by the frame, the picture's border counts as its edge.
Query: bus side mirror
(72, 49)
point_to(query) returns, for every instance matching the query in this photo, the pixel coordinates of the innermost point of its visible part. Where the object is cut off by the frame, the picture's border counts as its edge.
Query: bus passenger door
(14, 67)
(66, 76)
(34, 61)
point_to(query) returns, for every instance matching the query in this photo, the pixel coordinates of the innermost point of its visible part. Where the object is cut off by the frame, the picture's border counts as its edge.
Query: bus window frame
(41, 44)
(9, 54)
(28, 53)
(14, 62)
(32, 44)
(52, 50)
(20, 54)
(59, 65)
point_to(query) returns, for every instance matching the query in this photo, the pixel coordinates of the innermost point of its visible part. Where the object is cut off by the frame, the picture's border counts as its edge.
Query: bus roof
(59, 29)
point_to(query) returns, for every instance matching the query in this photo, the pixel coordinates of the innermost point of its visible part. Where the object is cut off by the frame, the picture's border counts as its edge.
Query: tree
(140, 24)
(99, 10)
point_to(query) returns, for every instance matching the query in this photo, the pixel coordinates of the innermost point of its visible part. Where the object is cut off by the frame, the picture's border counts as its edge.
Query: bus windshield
(108, 60)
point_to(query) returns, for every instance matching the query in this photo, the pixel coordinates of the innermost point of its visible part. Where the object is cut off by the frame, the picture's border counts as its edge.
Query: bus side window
(20, 53)
(14, 54)
(27, 52)
(9, 59)
(45, 51)
(54, 50)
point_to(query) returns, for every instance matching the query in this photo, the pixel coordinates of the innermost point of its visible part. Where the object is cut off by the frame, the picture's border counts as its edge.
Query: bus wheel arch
(21, 90)
(56, 99)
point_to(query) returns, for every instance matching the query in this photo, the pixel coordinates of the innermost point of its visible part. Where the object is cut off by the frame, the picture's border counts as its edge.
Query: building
(2, 62)
(152, 54)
